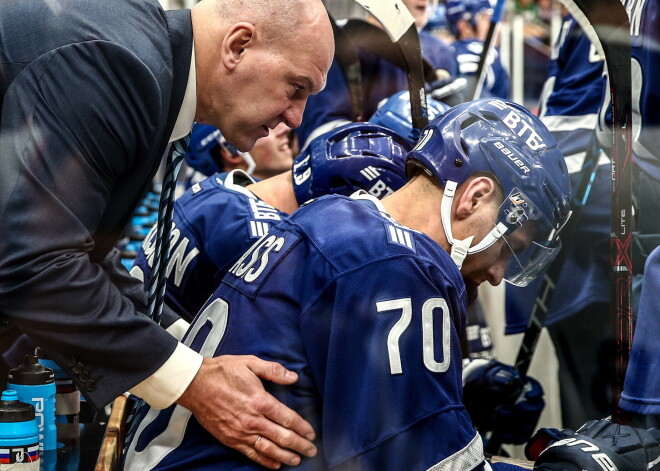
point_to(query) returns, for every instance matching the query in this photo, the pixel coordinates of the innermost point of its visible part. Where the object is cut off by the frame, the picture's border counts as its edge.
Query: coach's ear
(237, 40)
(476, 193)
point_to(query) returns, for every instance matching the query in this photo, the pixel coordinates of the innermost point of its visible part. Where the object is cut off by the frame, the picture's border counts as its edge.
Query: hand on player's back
(229, 401)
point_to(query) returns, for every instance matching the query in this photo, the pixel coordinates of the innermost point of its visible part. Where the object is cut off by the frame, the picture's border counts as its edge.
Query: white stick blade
(392, 14)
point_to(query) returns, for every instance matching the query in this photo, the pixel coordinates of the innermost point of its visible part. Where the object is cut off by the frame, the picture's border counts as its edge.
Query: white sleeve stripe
(408, 240)
(392, 233)
(570, 123)
(469, 457)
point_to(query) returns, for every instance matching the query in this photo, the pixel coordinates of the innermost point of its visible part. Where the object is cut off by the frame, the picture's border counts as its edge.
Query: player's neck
(417, 205)
(277, 191)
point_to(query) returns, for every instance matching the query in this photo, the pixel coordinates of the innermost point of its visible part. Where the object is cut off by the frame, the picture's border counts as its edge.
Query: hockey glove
(497, 399)
(599, 445)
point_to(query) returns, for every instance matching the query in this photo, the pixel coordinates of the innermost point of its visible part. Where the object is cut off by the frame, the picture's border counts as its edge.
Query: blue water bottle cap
(31, 372)
(12, 410)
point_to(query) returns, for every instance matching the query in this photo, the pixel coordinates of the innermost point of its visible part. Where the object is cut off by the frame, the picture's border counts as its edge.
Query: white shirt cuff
(165, 386)
(178, 329)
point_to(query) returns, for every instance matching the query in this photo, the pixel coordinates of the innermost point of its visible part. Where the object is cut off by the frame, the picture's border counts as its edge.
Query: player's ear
(478, 192)
(239, 37)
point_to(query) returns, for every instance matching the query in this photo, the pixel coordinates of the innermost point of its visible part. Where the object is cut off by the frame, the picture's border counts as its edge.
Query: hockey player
(209, 153)
(468, 21)
(366, 300)
(572, 98)
(379, 78)
(216, 220)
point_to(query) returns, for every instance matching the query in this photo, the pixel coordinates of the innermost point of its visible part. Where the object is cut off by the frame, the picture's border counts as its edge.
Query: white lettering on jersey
(299, 179)
(177, 251)
(258, 253)
(178, 260)
(509, 153)
(215, 315)
(262, 210)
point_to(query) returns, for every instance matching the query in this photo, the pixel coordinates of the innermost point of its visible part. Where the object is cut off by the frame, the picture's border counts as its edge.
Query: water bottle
(19, 434)
(67, 395)
(35, 384)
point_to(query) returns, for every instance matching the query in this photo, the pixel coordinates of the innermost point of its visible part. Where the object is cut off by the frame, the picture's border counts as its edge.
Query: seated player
(468, 21)
(216, 220)
(209, 153)
(366, 300)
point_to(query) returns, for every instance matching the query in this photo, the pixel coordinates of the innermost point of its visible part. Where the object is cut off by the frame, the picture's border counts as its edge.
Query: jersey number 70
(428, 311)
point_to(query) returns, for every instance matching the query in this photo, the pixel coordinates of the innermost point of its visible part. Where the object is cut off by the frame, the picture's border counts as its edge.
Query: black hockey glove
(599, 445)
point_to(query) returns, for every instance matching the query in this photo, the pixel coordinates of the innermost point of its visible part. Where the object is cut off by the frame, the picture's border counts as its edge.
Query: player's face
(273, 84)
(419, 11)
(272, 154)
(490, 265)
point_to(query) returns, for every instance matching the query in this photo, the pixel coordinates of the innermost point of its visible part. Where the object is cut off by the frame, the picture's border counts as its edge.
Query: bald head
(275, 20)
(257, 61)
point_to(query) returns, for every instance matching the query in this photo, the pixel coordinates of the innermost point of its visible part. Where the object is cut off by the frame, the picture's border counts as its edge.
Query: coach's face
(265, 82)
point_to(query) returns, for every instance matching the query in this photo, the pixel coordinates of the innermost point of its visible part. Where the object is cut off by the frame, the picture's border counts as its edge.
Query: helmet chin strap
(461, 248)
(249, 161)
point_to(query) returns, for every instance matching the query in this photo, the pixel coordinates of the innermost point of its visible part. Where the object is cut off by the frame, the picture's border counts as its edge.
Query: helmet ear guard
(206, 143)
(356, 156)
(509, 142)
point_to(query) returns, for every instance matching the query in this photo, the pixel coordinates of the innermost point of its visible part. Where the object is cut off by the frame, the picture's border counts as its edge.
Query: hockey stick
(607, 24)
(400, 26)
(349, 60)
(480, 75)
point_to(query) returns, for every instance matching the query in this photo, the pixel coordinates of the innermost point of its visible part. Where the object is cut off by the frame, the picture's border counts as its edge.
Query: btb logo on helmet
(515, 122)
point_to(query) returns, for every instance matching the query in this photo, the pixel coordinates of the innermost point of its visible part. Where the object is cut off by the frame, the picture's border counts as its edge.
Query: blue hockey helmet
(203, 152)
(355, 156)
(437, 18)
(465, 10)
(507, 141)
(394, 113)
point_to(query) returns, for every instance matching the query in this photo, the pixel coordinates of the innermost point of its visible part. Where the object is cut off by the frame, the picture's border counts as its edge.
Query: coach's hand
(227, 398)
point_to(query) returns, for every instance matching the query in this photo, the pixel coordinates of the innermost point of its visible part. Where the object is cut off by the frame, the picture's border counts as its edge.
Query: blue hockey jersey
(214, 222)
(572, 96)
(368, 313)
(380, 80)
(468, 52)
(641, 391)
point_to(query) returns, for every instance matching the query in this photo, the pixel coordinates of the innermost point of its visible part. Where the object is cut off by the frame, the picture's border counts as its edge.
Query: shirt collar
(186, 116)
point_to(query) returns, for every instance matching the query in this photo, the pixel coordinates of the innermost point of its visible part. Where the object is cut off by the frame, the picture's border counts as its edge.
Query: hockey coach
(92, 92)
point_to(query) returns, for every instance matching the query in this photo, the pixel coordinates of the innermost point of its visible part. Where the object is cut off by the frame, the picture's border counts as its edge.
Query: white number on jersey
(428, 341)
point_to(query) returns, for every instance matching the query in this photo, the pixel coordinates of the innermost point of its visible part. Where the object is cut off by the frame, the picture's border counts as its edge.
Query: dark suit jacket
(90, 91)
